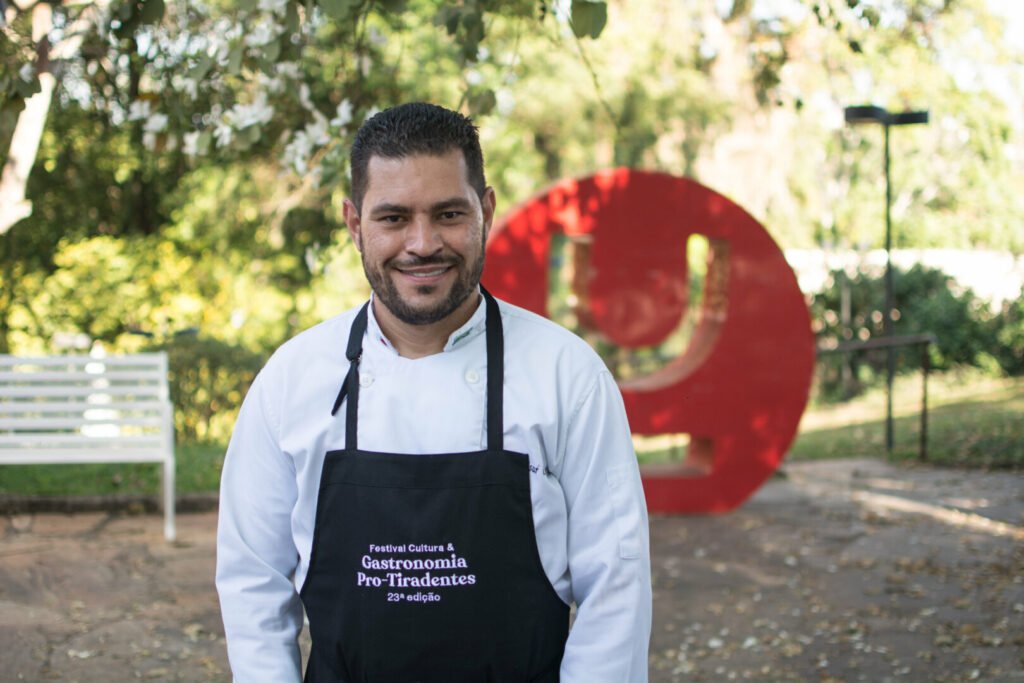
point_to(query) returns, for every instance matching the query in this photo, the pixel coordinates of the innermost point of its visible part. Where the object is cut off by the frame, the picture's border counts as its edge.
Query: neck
(417, 341)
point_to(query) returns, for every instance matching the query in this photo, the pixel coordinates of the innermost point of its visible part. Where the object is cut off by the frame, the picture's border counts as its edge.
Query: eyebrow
(444, 204)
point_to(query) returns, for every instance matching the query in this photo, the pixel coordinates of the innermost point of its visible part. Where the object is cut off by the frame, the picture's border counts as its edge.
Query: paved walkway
(838, 571)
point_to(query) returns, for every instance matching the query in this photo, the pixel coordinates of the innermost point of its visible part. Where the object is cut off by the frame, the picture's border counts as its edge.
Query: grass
(197, 471)
(974, 421)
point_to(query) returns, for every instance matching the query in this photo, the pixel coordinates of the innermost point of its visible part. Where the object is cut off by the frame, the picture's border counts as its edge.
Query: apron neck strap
(495, 375)
(350, 387)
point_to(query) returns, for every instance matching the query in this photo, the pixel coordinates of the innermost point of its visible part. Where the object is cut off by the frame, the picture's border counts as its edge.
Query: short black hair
(411, 129)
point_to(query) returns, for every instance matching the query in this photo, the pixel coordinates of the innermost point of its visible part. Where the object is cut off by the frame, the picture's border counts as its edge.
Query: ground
(835, 571)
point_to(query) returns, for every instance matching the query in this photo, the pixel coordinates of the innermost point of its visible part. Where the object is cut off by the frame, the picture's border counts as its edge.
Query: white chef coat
(562, 408)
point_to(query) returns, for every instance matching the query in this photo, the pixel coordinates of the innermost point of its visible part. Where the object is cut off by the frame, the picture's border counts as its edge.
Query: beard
(466, 282)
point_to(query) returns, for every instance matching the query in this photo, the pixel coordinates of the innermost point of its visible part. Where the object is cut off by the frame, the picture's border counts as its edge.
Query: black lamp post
(873, 114)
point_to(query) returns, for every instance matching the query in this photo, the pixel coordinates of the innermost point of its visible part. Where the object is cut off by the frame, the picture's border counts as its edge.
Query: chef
(433, 478)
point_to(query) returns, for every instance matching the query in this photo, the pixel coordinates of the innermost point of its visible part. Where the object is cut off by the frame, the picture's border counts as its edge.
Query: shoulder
(325, 342)
(546, 345)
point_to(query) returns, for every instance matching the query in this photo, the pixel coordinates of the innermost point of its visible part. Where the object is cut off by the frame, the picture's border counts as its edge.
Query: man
(436, 476)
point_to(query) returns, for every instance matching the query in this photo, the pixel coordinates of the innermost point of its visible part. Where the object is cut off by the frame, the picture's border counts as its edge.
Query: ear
(354, 226)
(487, 204)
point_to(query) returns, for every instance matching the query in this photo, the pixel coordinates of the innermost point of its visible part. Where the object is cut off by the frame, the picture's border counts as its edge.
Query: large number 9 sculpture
(741, 386)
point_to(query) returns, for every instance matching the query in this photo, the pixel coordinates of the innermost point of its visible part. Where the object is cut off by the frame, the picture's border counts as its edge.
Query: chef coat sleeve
(256, 556)
(608, 547)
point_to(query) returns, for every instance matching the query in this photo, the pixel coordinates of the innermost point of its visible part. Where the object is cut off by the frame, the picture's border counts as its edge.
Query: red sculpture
(741, 386)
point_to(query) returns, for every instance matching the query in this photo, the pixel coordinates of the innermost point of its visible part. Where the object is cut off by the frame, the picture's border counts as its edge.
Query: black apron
(424, 568)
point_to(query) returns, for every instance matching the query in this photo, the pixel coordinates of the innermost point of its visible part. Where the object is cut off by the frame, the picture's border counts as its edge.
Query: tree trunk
(29, 129)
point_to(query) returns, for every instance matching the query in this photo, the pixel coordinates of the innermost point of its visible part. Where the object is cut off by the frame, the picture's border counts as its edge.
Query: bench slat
(26, 440)
(30, 392)
(60, 456)
(56, 422)
(145, 404)
(134, 360)
(17, 377)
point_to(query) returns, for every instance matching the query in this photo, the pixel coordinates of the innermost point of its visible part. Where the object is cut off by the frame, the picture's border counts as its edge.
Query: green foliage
(926, 301)
(209, 379)
(973, 421)
(140, 231)
(108, 288)
(1009, 351)
(588, 18)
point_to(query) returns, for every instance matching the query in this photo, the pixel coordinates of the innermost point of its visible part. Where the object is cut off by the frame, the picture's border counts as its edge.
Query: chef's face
(421, 232)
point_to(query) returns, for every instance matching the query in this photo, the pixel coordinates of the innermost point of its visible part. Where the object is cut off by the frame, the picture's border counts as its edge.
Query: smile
(421, 273)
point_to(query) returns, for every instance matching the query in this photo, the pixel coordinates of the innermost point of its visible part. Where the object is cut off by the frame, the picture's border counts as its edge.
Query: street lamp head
(906, 118)
(870, 113)
(866, 113)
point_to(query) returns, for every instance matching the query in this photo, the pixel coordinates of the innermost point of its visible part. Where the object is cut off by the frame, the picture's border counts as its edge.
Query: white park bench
(88, 409)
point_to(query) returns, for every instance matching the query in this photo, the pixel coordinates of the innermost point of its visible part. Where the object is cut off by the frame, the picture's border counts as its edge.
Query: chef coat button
(472, 376)
(365, 380)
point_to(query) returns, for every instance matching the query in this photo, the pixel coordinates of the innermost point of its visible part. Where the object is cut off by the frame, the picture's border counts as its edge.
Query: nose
(422, 237)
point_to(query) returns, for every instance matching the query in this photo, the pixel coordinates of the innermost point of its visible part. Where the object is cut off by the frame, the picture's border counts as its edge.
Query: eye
(451, 215)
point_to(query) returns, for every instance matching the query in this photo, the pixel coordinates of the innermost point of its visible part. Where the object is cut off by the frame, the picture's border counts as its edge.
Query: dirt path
(841, 571)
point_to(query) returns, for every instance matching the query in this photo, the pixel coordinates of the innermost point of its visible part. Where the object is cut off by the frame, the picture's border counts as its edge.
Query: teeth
(430, 273)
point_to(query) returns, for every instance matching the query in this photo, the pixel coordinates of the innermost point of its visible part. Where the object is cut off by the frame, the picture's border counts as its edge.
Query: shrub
(925, 300)
(208, 379)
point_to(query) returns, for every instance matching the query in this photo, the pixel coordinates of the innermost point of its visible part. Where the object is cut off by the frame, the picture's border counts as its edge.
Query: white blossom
(155, 123)
(505, 101)
(264, 32)
(275, 6)
(149, 141)
(223, 134)
(370, 114)
(27, 72)
(297, 151)
(343, 116)
(304, 99)
(289, 70)
(317, 130)
(190, 143)
(182, 83)
(376, 37)
(244, 115)
(364, 63)
(138, 110)
(473, 77)
(271, 84)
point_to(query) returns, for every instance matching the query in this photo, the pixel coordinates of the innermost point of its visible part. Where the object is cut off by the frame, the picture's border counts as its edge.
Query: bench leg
(168, 487)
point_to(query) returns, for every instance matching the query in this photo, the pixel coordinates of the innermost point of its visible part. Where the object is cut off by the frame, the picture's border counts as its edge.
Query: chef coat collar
(476, 324)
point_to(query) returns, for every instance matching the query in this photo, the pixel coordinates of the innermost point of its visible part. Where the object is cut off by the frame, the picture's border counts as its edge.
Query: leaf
(272, 50)
(235, 58)
(152, 11)
(247, 5)
(337, 9)
(202, 67)
(588, 18)
(449, 18)
(27, 89)
(393, 6)
(482, 102)
(204, 142)
(291, 18)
